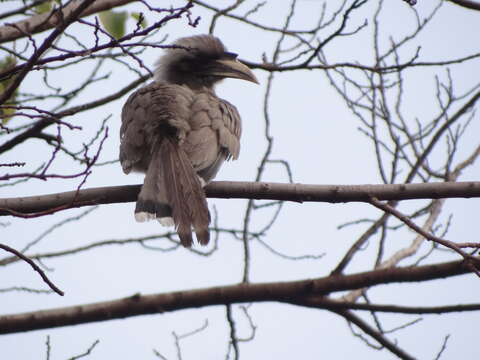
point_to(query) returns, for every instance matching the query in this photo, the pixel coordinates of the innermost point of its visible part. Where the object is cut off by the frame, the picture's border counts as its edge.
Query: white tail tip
(144, 216)
(166, 221)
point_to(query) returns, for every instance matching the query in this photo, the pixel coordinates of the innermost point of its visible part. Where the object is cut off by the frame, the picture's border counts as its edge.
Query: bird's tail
(172, 189)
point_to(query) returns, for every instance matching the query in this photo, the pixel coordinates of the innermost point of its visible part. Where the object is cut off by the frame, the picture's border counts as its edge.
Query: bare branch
(25, 289)
(63, 24)
(472, 5)
(34, 266)
(349, 316)
(87, 352)
(42, 22)
(241, 293)
(470, 260)
(444, 346)
(327, 303)
(245, 190)
(233, 333)
(40, 125)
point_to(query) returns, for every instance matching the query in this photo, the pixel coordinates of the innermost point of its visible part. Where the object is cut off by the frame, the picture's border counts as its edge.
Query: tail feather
(152, 201)
(172, 189)
(184, 194)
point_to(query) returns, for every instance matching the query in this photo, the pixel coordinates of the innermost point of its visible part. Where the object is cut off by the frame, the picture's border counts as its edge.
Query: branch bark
(42, 22)
(249, 190)
(472, 5)
(245, 292)
(320, 302)
(34, 266)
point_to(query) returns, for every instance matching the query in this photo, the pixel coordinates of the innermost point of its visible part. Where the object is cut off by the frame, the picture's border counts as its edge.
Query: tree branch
(449, 244)
(40, 125)
(245, 292)
(472, 5)
(249, 190)
(42, 22)
(34, 266)
(63, 23)
(392, 347)
(333, 304)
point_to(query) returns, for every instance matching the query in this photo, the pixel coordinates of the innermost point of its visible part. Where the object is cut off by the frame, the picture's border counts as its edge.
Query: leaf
(114, 22)
(139, 17)
(43, 7)
(6, 64)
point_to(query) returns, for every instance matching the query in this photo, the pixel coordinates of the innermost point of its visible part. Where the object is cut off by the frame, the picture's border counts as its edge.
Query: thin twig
(34, 266)
(471, 261)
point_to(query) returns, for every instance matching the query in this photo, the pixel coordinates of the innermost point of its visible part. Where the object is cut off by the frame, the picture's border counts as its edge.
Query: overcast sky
(318, 135)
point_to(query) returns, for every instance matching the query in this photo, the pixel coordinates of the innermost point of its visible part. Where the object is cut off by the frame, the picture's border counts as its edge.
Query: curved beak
(233, 68)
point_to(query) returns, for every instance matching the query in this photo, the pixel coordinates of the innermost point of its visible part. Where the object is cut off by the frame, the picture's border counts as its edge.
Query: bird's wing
(231, 129)
(149, 112)
(214, 135)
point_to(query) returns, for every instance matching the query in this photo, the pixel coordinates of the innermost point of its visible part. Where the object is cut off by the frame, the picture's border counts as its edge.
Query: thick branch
(42, 22)
(244, 292)
(249, 190)
(473, 5)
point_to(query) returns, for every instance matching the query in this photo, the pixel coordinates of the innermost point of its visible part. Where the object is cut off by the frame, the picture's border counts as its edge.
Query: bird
(178, 132)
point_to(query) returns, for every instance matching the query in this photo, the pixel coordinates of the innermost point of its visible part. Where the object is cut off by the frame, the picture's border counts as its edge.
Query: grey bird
(178, 132)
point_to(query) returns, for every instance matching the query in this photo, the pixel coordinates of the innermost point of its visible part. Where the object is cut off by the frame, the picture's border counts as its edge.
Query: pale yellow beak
(233, 68)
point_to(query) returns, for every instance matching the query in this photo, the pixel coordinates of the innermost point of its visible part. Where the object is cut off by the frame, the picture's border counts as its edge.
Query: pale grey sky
(317, 134)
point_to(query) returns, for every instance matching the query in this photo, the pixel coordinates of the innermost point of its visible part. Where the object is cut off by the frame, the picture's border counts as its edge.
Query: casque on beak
(232, 68)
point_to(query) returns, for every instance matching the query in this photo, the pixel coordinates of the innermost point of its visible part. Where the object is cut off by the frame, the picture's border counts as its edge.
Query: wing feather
(152, 111)
(230, 133)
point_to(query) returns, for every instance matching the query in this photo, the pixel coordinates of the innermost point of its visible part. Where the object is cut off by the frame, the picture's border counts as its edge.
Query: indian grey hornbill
(178, 132)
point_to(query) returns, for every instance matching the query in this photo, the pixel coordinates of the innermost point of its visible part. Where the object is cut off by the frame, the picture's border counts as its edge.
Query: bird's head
(201, 61)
